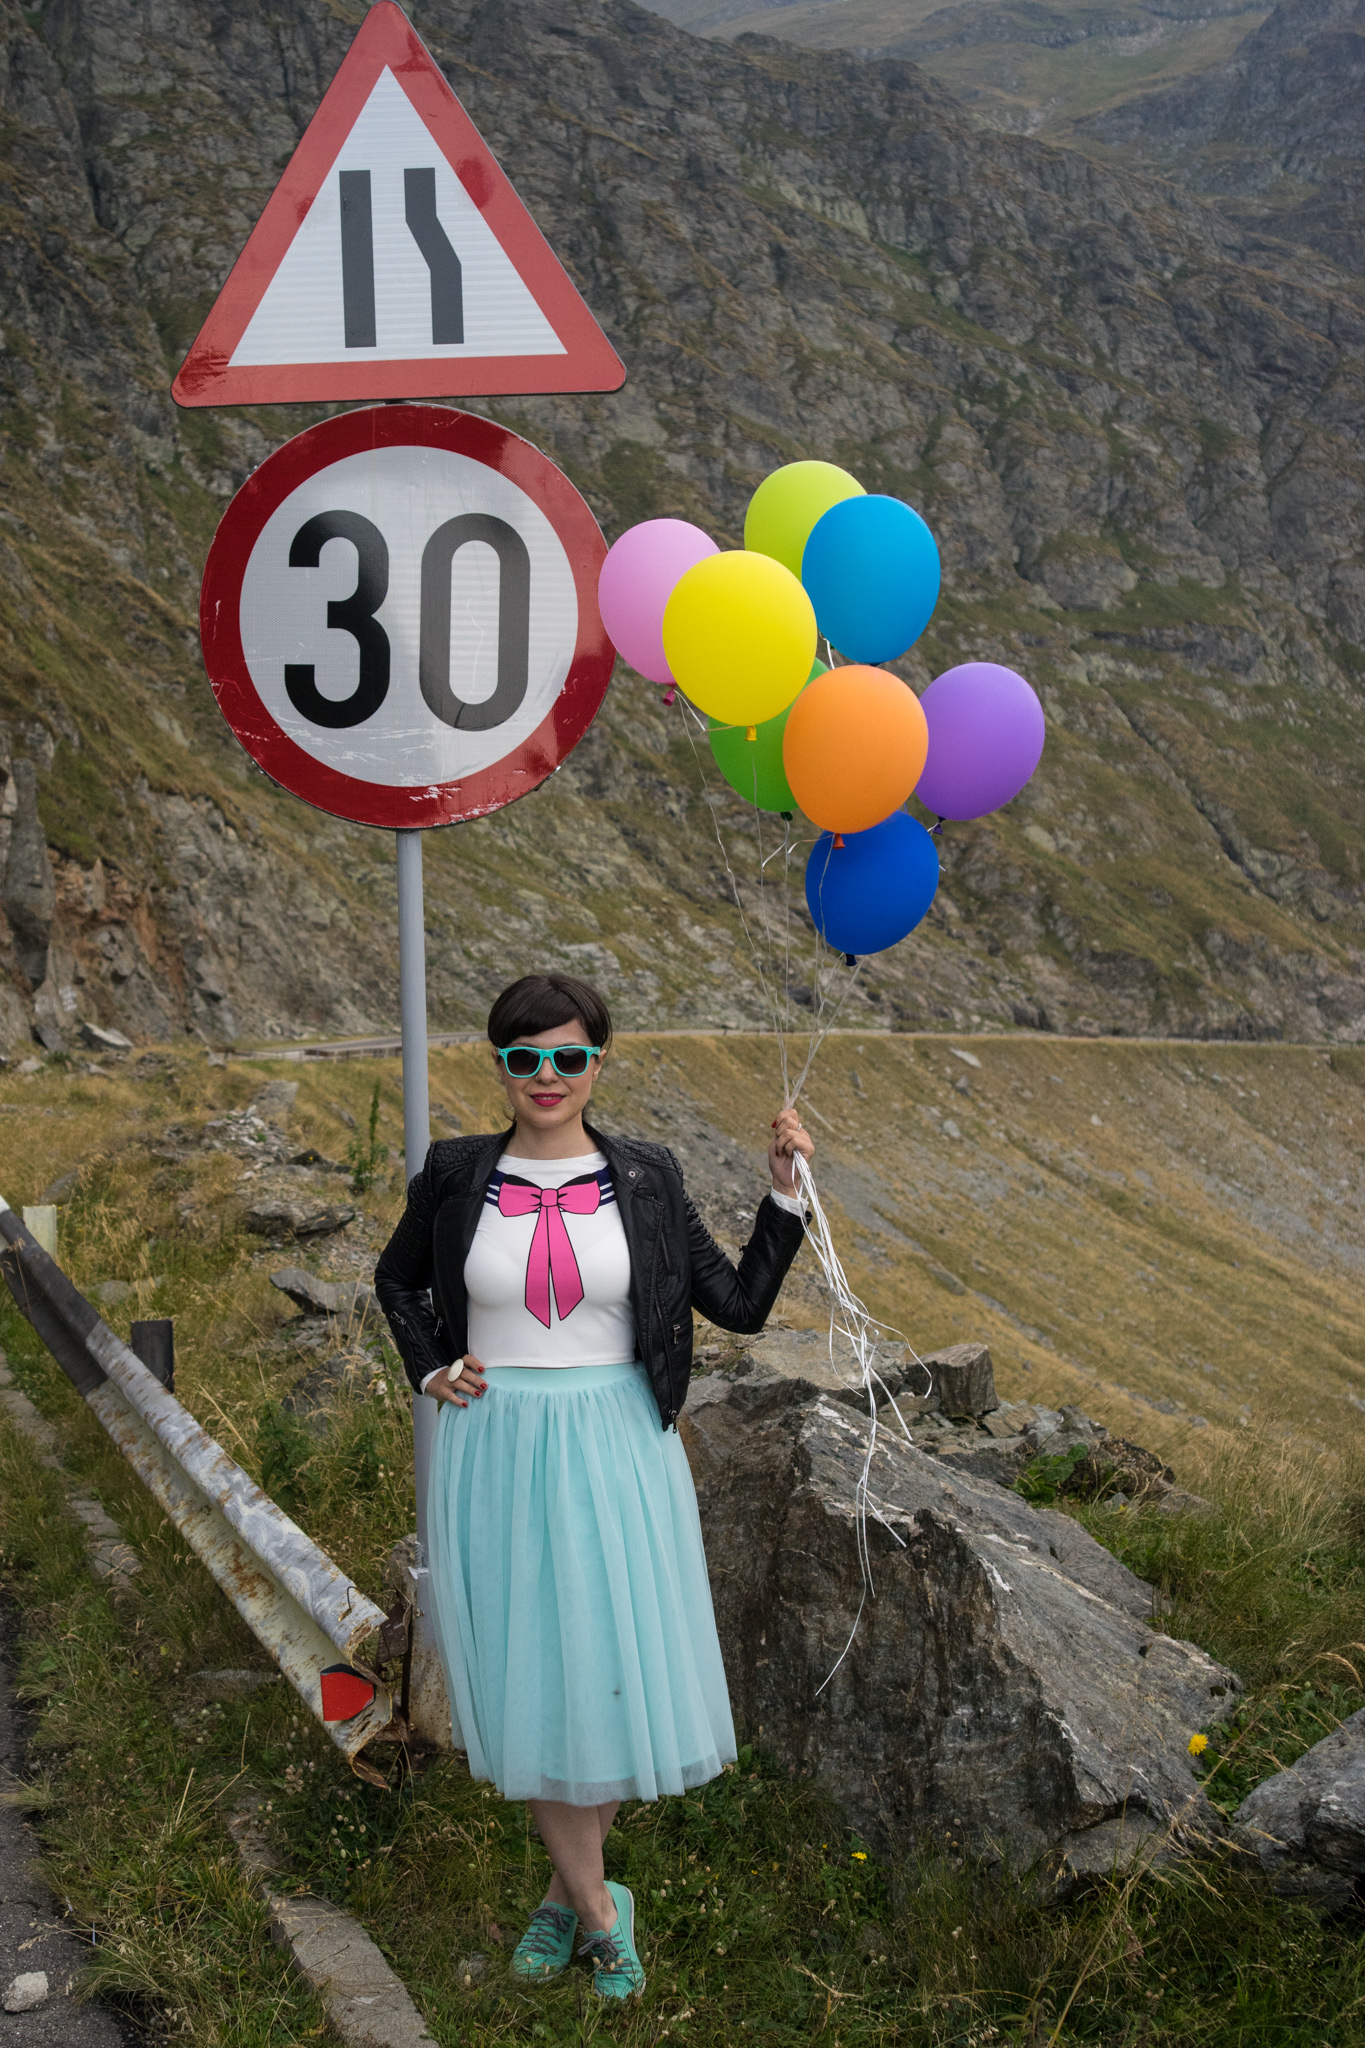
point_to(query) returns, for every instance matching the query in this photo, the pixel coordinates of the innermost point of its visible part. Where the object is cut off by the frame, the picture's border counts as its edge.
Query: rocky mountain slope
(1263, 112)
(1033, 66)
(1277, 135)
(1139, 443)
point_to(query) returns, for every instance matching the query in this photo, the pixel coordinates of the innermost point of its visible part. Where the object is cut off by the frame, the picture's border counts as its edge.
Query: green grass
(804, 1937)
(1274, 1584)
(760, 1915)
(131, 1804)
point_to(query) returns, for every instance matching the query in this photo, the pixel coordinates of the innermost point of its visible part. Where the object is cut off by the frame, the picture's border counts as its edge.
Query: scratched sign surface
(399, 616)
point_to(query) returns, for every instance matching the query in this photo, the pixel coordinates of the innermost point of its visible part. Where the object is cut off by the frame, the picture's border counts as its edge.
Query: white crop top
(548, 1283)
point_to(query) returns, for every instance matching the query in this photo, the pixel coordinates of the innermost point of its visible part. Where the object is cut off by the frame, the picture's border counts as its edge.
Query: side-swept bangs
(543, 1002)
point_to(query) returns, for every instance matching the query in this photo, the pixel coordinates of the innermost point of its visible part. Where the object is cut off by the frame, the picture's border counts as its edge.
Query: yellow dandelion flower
(860, 1855)
(1198, 1744)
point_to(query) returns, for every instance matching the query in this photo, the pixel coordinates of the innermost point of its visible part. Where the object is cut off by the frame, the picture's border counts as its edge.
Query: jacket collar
(626, 1178)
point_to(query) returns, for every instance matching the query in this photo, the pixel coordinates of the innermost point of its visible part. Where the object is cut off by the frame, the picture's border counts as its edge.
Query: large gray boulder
(1005, 1689)
(1306, 1825)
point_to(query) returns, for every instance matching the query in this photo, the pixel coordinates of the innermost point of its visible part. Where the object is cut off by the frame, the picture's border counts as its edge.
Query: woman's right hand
(466, 1376)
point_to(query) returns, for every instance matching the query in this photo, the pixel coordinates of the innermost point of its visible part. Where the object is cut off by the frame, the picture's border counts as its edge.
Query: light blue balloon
(866, 890)
(871, 570)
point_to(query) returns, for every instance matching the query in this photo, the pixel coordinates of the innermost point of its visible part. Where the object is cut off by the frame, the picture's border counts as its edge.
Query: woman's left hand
(788, 1138)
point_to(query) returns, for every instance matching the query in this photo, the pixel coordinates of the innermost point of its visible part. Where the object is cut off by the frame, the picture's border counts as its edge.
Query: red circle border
(264, 739)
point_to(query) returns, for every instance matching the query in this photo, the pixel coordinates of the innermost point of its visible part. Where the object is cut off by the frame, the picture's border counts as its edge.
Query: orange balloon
(855, 746)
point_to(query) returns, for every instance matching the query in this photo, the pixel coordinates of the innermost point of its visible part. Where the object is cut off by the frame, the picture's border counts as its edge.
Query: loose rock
(297, 1219)
(1306, 1825)
(104, 1040)
(26, 1991)
(350, 1301)
(962, 1380)
(1004, 1687)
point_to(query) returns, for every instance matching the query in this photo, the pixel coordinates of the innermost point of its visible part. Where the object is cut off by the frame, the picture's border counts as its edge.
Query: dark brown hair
(542, 1002)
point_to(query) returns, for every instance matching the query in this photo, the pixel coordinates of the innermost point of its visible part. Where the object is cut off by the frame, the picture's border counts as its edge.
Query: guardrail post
(40, 1220)
(154, 1343)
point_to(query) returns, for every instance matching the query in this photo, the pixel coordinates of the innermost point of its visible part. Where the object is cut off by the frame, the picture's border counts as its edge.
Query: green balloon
(787, 505)
(753, 767)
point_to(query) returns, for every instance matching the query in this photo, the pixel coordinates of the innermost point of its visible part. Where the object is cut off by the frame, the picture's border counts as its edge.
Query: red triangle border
(386, 38)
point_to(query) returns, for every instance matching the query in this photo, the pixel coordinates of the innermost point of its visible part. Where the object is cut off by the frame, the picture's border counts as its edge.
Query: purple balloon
(636, 583)
(986, 733)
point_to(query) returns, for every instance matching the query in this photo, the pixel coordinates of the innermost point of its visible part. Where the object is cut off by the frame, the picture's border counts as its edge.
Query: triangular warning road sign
(394, 259)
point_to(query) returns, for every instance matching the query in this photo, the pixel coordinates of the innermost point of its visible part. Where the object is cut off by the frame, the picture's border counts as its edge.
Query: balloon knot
(934, 830)
(850, 959)
(670, 693)
(751, 733)
(838, 839)
(787, 815)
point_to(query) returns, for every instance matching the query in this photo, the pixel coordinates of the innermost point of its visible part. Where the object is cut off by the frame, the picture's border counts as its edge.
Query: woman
(540, 1287)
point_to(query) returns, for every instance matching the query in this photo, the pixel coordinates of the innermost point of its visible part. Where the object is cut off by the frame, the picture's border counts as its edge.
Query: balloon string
(848, 1314)
(787, 921)
(819, 1038)
(864, 1333)
(735, 892)
(820, 1028)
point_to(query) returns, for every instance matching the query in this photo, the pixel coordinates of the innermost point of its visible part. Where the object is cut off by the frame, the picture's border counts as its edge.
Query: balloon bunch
(847, 744)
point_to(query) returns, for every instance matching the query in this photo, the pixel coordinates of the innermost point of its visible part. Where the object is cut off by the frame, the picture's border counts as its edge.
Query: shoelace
(605, 1950)
(545, 1931)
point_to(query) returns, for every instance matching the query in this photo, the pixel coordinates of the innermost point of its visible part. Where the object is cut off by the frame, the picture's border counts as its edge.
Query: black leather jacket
(675, 1263)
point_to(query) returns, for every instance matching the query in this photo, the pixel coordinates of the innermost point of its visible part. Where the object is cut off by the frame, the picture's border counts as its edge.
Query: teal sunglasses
(570, 1062)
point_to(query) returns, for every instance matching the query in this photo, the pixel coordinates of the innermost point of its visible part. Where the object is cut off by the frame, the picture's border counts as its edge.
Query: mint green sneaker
(619, 1972)
(546, 1948)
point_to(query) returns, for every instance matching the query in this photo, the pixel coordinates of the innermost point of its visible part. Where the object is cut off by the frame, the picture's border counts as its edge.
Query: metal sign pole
(412, 986)
(429, 1715)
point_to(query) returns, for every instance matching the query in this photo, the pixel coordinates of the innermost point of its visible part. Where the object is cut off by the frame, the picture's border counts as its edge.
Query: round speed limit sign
(399, 616)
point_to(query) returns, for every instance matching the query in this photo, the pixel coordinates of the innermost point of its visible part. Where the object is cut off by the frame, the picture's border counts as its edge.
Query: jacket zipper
(655, 1316)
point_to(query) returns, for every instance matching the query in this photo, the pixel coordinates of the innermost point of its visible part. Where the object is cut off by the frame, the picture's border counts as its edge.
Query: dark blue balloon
(871, 570)
(869, 892)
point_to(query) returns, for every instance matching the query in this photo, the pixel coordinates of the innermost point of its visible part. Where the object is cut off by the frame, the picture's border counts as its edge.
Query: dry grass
(1190, 1228)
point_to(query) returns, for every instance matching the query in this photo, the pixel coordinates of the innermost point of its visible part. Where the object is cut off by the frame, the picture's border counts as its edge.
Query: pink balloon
(986, 734)
(636, 583)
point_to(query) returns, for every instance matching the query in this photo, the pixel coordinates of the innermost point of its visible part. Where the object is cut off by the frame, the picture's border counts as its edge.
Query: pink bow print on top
(551, 1256)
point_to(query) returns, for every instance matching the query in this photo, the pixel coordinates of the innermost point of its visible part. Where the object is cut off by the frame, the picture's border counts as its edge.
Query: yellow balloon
(739, 635)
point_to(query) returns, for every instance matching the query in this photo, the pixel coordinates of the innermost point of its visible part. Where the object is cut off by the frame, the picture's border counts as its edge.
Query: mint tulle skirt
(569, 1591)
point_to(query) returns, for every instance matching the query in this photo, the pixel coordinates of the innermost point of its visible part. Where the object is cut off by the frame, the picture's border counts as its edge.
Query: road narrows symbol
(357, 259)
(394, 259)
(447, 278)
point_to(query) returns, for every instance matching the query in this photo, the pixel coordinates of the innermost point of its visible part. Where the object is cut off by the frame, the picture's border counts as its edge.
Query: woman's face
(547, 1100)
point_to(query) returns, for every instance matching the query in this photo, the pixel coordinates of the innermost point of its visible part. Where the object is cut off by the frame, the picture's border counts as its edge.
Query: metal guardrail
(298, 1604)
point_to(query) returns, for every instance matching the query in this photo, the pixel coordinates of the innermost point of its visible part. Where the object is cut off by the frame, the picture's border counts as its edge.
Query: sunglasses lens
(522, 1061)
(572, 1062)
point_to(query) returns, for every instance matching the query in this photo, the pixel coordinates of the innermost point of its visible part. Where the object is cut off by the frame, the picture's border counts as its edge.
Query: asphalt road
(33, 1933)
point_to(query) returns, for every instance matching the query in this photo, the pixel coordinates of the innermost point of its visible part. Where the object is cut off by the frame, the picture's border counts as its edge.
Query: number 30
(355, 615)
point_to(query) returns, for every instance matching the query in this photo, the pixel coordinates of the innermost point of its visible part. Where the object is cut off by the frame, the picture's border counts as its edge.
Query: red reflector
(345, 1693)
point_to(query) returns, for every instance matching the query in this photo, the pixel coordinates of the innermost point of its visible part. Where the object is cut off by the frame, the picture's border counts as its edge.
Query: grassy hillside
(1169, 1234)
